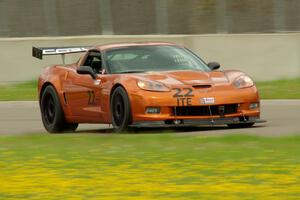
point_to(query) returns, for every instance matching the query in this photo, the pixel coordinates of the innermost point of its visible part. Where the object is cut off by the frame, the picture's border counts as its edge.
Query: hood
(172, 78)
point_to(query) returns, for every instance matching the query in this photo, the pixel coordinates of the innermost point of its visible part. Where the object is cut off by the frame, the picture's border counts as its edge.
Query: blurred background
(254, 36)
(259, 37)
(19, 18)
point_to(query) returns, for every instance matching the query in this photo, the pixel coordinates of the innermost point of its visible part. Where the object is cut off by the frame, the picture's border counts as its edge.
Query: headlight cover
(243, 81)
(152, 86)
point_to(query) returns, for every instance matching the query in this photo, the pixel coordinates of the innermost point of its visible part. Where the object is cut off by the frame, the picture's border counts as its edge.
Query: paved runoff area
(283, 118)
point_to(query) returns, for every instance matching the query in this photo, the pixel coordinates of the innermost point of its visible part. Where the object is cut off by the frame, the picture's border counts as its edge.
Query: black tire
(70, 127)
(120, 110)
(243, 125)
(52, 114)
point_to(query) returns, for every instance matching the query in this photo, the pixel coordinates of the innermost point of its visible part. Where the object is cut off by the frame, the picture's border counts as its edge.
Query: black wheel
(52, 113)
(120, 110)
(243, 125)
(70, 127)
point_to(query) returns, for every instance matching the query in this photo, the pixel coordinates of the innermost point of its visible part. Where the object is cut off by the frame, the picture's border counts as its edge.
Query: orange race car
(143, 84)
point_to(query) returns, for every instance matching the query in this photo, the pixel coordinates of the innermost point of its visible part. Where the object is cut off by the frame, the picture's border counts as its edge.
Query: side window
(94, 61)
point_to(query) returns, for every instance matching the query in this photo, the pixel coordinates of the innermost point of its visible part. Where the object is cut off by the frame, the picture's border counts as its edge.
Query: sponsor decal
(207, 100)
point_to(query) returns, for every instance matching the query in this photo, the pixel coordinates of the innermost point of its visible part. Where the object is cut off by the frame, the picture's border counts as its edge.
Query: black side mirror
(87, 70)
(213, 65)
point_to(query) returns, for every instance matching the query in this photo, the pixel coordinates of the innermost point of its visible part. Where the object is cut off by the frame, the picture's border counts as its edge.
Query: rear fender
(53, 76)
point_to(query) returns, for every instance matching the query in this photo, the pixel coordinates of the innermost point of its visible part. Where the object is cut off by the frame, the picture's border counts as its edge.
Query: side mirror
(86, 70)
(213, 65)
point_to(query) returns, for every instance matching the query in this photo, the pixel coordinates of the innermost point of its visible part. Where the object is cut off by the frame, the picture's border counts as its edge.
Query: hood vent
(202, 86)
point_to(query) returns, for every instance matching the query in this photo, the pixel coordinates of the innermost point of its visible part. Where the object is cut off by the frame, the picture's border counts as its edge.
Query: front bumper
(198, 122)
(235, 104)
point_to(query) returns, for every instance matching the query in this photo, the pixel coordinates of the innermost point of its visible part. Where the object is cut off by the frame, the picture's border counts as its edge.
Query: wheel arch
(43, 88)
(59, 94)
(54, 80)
(113, 89)
(130, 117)
(58, 122)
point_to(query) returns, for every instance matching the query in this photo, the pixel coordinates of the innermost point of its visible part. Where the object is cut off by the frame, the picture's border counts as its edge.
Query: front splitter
(197, 122)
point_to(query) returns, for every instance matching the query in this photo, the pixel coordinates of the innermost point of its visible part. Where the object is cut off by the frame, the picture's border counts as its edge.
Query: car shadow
(164, 130)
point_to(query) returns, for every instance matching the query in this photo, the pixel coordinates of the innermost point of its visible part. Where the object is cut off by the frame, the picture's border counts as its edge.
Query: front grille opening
(204, 110)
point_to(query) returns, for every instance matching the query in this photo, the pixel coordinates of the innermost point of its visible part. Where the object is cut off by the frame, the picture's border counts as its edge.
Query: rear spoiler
(38, 52)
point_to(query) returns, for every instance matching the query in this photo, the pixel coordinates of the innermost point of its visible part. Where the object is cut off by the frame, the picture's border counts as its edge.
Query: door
(83, 93)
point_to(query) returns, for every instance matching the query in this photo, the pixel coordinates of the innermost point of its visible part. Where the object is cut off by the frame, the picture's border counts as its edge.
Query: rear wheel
(243, 125)
(52, 113)
(120, 110)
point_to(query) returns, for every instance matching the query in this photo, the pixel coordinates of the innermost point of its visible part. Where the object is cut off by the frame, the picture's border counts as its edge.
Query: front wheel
(243, 125)
(52, 114)
(120, 110)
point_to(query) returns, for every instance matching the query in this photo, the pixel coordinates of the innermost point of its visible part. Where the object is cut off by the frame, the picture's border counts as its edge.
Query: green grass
(279, 89)
(149, 166)
(22, 91)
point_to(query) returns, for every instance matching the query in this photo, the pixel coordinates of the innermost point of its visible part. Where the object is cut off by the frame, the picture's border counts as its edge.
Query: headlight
(243, 81)
(152, 86)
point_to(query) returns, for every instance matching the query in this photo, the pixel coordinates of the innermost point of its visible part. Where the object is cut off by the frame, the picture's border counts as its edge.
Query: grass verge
(149, 166)
(280, 89)
(15, 92)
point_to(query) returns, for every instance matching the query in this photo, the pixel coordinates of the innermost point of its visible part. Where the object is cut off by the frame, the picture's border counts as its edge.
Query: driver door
(83, 93)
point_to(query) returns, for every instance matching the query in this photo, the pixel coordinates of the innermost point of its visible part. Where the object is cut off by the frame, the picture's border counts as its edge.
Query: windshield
(152, 58)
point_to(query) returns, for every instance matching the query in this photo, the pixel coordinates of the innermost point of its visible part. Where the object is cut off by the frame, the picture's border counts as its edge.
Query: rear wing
(39, 52)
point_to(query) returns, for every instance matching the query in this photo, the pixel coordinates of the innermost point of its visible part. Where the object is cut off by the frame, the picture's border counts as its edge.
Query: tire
(120, 110)
(243, 125)
(52, 114)
(70, 127)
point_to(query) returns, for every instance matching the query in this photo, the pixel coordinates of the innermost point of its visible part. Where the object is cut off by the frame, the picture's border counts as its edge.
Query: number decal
(183, 96)
(189, 93)
(91, 100)
(180, 93)
(177, 94)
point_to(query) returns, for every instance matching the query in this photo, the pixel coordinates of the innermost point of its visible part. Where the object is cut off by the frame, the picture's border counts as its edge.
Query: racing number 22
(183, 96)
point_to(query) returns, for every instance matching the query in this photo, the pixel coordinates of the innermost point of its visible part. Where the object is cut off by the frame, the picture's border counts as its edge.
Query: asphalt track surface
(283, 118)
